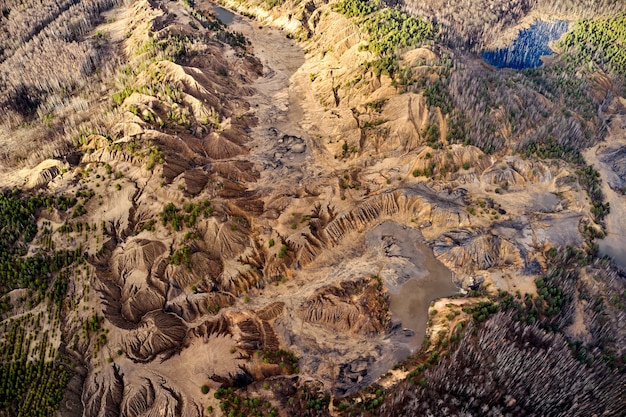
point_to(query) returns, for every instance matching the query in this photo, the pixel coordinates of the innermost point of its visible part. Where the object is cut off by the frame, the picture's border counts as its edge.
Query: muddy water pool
(413, 277)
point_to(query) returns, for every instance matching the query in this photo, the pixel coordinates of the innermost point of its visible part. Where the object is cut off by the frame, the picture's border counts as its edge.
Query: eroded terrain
(258, 210)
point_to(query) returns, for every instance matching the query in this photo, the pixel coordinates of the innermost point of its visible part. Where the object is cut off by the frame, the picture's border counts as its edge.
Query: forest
(598, 40)
(390, 32)
(528, 329)
(472, 25)
(29, 387)
(474, 97)
(32, 376)
(51, 68)
(499, 112)
(49, 56)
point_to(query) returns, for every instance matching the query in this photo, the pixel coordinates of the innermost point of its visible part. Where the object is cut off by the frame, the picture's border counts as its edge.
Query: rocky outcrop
(150, 395)
(157, 333)
(464, 250)
(418, 202)
(514, 173)
(132, 269)
(614, 157)
(271, 311)
(455, 161)
(114, 392)
(358, 307)
(45, 172)
(191, 307)
(103, 393)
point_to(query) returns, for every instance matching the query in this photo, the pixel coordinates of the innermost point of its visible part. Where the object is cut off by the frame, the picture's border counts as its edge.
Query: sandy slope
(614, 244)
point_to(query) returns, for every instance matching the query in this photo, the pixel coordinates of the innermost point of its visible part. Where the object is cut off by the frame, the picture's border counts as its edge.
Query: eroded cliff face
(234, 182)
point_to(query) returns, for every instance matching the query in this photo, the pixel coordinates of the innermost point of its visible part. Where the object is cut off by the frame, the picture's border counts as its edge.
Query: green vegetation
(79, 211)
(234, 39)
(39, 271)
(170, 214)
(436, 93)
(481, 311)
(287, 360)
(17, 223)
(92, 325)
(488, 103)
(551, 149)
(377, 105)
(531, 108)
(155, 155)
(390, 31)
(171, 48)
(428, 172)
(355, 8)
(181, 256)
(551, 309)
(590, 179)
(188, 216)
(35, 387)
(232, 404)
(270, 4)
(601, 40)
(309, 401)
(551, 297)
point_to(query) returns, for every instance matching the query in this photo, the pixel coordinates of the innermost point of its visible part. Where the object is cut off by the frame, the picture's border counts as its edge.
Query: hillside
(310, 208)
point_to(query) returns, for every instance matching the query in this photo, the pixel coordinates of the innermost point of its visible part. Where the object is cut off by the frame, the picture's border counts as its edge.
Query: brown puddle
(414, 278)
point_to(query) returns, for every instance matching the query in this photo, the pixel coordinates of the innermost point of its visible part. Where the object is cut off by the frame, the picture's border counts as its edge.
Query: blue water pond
(529, 46)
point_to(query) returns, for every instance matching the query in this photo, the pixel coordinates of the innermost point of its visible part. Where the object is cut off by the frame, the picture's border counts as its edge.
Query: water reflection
(529, 46)
(223, 15)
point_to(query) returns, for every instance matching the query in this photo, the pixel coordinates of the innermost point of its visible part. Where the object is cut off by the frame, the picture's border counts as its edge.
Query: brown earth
(312, 197)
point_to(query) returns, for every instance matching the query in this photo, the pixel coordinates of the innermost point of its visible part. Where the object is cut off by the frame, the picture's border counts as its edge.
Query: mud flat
(279, 145)
(608, 158)
(413, 277)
